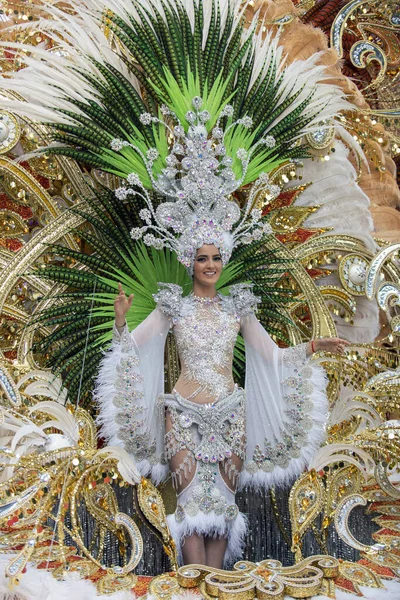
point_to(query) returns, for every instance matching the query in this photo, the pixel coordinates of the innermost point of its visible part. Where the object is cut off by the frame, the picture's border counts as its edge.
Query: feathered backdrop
(104, 66)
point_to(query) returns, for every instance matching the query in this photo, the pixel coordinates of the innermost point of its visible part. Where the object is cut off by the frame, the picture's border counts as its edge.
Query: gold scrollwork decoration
(10, 131)
(341, 484)
(382, 478)
(362, 53)
(151, 504)
(164, 586)
(375, 267)
(306, 500)
(123, 520)
(322, 137)
(267, 580)
(342, 515)
(358, 574)
(366, 50)
(352, 273)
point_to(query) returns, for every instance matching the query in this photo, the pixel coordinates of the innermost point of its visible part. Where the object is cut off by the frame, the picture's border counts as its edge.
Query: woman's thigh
(230, 470)
(182, 464)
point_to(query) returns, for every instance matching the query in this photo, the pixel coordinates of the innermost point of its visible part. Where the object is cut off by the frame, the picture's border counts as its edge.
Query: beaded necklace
(205, 299)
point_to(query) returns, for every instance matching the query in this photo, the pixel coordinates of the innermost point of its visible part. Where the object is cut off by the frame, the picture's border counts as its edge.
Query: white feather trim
(211, 525)
(39, 584)
(103, 395)
(283, 476)
(104, 390)
(344, 207)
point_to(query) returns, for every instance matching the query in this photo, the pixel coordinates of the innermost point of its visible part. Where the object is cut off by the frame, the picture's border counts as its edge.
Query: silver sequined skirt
(213, 438)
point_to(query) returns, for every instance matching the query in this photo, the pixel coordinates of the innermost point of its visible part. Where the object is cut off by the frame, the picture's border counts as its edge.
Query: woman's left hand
(335, 345)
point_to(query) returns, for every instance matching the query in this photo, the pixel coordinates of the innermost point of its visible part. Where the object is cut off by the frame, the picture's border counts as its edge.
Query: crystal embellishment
(197, 180)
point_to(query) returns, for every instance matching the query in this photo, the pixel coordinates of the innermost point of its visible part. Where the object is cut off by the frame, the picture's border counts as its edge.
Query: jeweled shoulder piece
(244, 301)
(169, 299)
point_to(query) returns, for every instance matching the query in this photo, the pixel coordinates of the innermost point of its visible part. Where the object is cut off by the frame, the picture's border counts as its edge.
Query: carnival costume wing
(287, 408)
(130, 380)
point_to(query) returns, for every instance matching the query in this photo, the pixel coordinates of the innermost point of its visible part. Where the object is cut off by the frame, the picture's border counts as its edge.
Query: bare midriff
(205, 340)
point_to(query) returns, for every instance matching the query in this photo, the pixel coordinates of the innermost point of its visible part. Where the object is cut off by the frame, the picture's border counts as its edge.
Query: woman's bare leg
(215, 550)
(193, 548)
(194, 551)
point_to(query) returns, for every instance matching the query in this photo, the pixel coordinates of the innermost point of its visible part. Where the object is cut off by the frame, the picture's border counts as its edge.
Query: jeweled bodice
(205, 339)
(205, 331)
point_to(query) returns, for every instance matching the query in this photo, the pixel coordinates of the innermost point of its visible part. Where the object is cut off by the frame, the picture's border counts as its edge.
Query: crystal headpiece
(197, 181)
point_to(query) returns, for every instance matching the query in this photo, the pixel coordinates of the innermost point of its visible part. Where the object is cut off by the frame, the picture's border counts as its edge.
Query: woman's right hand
(121, 306)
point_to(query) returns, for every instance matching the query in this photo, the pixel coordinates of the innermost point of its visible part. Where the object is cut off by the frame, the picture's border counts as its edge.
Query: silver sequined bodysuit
(205, 339)
(205, 437)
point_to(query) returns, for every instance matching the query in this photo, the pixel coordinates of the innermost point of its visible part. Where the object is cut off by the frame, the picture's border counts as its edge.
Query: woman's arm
(155, 324)
(121, 306)
(335, 345)
(255, 336)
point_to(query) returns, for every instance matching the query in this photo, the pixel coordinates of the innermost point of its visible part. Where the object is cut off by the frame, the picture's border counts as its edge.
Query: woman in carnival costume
(220, 110)
(212, 435)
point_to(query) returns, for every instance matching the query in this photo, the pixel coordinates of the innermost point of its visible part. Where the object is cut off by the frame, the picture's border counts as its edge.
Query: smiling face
(207, 265)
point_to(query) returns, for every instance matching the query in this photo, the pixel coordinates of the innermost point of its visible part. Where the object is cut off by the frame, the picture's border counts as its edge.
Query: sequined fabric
(205, 334)
(210, 434)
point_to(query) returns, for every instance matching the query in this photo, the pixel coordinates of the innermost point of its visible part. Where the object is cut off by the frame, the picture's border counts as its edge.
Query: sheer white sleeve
(130, 380)
(287, 408)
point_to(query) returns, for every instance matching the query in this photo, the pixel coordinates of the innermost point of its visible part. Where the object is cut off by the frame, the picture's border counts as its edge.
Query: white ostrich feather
(37, 437)
(352, 143)
(64, 420)
(347, 407)
(18, 427)
(19, 436)
(337, 453)
(344, 208)
(45, 384)
(126, 466)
